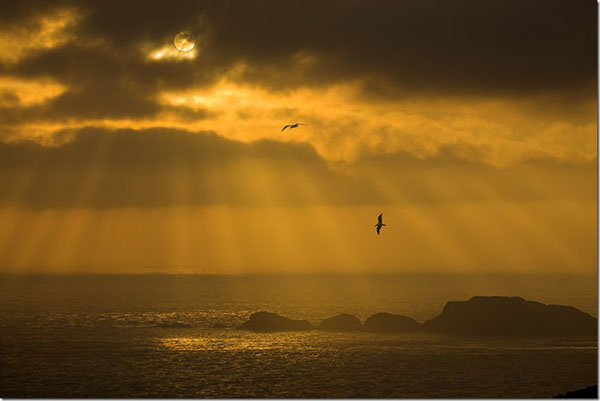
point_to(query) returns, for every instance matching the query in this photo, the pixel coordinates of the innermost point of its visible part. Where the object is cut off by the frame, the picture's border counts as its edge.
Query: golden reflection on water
(241, 342)
(187, 343)
(311, 342)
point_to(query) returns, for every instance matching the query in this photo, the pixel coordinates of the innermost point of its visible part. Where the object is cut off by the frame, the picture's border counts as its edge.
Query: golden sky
(471, 126)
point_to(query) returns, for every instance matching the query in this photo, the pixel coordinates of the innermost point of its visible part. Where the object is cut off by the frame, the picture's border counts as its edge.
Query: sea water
(98, 336)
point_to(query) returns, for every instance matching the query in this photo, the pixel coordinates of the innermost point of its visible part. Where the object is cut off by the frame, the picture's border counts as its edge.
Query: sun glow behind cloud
(171, 53)
(40, 32)
(21, 92)
(341, 124)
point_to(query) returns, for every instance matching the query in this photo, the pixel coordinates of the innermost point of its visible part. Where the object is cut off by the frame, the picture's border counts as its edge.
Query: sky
(470, 125)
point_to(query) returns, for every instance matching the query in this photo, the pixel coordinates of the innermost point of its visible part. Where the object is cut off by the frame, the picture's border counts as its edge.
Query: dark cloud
(459, 45)
(444, 46)
(102, 84)
(159, 167)
(496, 47)
(459, 173)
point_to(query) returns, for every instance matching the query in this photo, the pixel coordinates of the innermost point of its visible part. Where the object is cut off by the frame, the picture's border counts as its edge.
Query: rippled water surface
(96, 336)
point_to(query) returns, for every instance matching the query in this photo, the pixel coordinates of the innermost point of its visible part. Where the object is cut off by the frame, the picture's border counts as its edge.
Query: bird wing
(301, 124)
(380, 218)
(378, 228)
(284, 127)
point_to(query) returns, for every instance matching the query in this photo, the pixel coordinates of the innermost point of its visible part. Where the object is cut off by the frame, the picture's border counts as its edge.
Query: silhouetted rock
(511, 316)
(588, 392)
(267, 321)
(173, 325)
(343, 322)
(388, 323)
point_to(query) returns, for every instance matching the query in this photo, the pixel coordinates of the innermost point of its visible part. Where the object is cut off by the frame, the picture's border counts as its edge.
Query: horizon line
(310, 273)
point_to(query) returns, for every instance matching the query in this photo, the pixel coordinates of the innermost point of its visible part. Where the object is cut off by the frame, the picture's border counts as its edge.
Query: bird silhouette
(292, 126)
(379, 223)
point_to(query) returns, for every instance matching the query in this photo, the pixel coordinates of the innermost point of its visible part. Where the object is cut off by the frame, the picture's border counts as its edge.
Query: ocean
(96, 336)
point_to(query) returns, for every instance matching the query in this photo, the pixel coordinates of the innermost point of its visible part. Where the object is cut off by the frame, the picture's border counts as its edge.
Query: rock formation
(268, 322)
(388, 323)
(511, 316)
(479, 316)
(588, 392)
(342, 322)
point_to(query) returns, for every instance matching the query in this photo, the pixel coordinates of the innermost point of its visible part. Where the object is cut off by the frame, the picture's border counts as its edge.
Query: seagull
(292, 126)
(379, 223)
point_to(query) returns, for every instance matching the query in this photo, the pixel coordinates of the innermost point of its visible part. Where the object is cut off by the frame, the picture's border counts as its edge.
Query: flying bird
(379, 223)
(292, 126)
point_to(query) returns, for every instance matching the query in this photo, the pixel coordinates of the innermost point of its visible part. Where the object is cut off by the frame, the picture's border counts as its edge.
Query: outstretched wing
(378, 228)
(284, 127)
(380, 218)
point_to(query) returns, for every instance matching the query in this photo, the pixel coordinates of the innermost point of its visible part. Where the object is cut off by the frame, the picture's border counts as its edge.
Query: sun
(184, 41)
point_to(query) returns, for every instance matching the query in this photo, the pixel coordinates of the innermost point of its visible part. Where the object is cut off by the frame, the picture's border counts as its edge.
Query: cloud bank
(97, 168)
